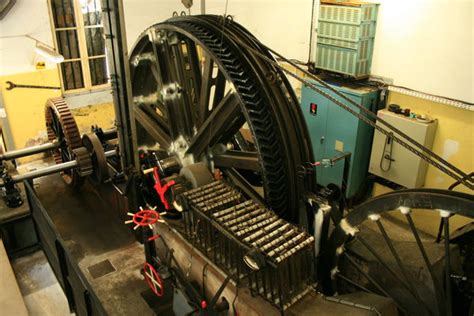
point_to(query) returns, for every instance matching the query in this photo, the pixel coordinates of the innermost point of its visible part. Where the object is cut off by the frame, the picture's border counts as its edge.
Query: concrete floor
(38, 285)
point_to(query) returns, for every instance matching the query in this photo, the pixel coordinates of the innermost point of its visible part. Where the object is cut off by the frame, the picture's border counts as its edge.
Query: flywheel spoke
(155, 64)
(447, 266)
(401, 266)
(436, 284)
(225, 115)
(205, 91)
(154, 129)
(243, 184)
(180, 122)
(237, 159)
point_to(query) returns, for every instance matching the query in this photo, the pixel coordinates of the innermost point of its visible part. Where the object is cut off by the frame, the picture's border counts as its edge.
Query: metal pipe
(277, 240)
(258, 225)
(269, 236)
(14, 154)
(261, 232)
(110, 153)
(53, 169)
(232, 209)
(45, 171)
(234, 214)
(191, 194)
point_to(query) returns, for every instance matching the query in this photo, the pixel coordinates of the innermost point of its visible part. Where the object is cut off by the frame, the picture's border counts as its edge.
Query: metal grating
(226, 226)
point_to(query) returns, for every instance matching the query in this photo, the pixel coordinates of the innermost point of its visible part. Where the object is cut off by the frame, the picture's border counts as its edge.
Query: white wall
(26, 17)
(282, 24)
(427, 45)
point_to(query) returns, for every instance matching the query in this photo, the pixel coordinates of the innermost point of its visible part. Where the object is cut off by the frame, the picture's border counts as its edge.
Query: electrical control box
(334, 132)
(391, 161)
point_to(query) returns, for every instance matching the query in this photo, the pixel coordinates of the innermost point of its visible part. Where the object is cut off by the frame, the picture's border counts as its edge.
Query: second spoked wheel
(388, 246)
(201, 94)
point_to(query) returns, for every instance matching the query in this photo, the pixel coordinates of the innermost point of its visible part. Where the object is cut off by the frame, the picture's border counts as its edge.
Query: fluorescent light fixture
(48, 53)
(42, 49)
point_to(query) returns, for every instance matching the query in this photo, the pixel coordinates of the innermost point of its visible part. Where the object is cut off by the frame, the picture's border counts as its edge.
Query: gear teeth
(56, 109)
(259, 113)
(83, 158)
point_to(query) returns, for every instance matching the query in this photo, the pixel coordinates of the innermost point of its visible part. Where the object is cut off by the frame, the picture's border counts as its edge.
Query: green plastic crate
(350, 58)
(345, 38)
(349, 13)
(347, 32)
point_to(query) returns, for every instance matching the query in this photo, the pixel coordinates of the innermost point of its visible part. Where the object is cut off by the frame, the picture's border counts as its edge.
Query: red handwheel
(153, 279)
(145, 217)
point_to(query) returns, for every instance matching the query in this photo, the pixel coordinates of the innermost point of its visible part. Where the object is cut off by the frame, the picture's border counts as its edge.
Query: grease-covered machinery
(242, 161)
(216, 163)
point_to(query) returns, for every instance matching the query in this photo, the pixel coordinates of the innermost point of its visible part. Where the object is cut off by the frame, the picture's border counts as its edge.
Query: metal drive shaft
(14, 154)
(45, 171)
(53, 169)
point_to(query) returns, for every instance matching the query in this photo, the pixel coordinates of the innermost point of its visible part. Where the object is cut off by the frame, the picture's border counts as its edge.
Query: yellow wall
(454, 140)
(102, 115)
(25, 107)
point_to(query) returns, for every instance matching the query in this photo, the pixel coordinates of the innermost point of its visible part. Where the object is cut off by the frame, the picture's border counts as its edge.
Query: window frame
(80, 28)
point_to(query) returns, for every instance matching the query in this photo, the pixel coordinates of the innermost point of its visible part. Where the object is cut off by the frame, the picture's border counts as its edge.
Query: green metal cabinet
(335, 131)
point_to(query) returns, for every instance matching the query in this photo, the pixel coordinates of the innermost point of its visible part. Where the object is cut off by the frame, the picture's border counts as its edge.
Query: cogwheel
(62, 128)
(83, 158)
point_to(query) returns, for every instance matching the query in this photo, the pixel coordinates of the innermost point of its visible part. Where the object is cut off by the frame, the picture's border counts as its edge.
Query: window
(80, 39)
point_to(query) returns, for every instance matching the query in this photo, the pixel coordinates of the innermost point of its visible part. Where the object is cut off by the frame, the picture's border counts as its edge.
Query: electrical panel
(334, 132)
(391, 161)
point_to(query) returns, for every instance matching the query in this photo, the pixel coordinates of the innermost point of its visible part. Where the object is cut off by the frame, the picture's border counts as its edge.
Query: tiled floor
(39, 287)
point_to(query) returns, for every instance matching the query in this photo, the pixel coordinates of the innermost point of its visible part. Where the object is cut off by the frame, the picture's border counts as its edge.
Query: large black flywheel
(202, 95)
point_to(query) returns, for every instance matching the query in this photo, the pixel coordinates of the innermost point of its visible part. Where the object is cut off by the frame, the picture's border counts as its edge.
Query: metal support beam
(117, 57)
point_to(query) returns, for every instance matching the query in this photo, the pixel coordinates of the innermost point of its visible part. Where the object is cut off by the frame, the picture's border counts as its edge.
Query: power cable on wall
(311, 33)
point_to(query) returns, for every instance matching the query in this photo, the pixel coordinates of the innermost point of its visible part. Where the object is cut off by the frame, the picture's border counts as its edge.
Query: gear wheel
(62, 127)
(84, 161)
(94, 146)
